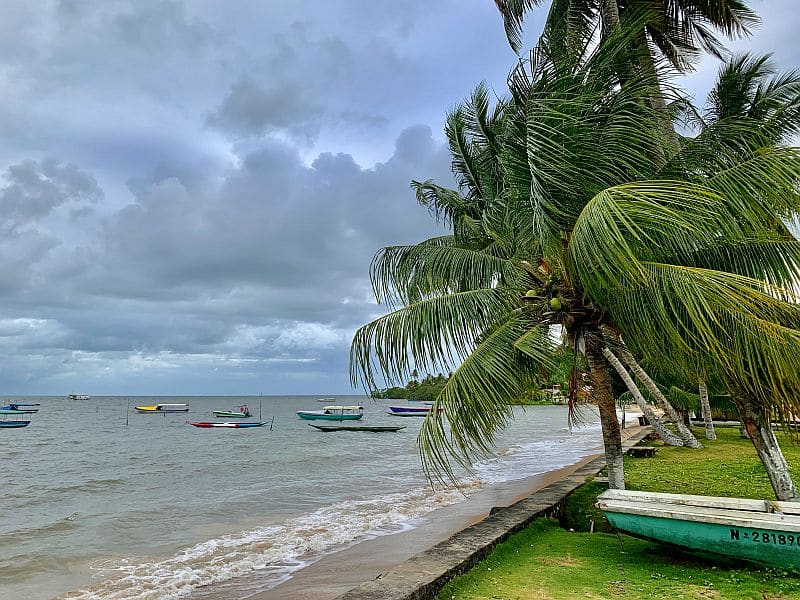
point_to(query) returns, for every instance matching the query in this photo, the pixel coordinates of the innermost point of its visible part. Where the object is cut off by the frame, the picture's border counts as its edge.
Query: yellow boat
(163, 408)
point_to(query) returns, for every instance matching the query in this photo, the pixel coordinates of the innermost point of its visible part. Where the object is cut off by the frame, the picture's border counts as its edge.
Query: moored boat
(423, 409)
(370, 428)
(761, 531)
(21, 408)
(226, 424)
(241, 412)
(79, 397)
(334, 413)
(13, 424)
(163, 408)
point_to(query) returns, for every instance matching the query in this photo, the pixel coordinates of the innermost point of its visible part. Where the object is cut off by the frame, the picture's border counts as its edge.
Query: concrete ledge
(422, 576)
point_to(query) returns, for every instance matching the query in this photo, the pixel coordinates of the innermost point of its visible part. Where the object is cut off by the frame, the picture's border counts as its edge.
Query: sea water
(100, 502)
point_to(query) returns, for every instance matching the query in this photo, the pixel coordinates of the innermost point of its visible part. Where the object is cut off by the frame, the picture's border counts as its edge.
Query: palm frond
(475, 402)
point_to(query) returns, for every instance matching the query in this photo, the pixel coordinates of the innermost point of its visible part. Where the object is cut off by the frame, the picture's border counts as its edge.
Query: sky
(191, 192)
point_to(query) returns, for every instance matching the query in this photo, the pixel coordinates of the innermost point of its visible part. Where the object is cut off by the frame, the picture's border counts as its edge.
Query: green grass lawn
(546, 561)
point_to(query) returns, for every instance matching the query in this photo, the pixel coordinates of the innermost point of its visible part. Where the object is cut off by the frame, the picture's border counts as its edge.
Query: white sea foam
(279, 549)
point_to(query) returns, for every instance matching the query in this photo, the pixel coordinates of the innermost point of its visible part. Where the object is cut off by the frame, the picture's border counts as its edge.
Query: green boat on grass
(761, 531)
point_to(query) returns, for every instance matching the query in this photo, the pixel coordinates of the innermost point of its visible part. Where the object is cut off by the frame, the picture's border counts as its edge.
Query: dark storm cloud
(191, 192)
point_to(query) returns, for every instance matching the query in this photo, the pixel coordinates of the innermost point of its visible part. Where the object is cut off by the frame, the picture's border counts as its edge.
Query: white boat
(79, 397)
(762, 531)
(334, 413)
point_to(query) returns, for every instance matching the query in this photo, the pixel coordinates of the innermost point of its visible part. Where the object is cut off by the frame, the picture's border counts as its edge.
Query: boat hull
(771, 538)
(310, 414)
(14, 424)
(408, 413)
(212, 424)
(369, 428)
(425, 409)
(157, 409)
(230, 414)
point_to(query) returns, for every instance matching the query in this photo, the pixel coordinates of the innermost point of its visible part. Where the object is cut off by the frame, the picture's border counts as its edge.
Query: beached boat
(240, 413)
(23, 408)
(333, 413)
(762, 531)
(163, 408)
(227, 425)
(371, 428)
(79, 397)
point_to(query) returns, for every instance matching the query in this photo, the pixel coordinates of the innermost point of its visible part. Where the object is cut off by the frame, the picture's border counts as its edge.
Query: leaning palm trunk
(760, 432)
(685, 434)
(705, 408)
(612, 437)
(670, 439)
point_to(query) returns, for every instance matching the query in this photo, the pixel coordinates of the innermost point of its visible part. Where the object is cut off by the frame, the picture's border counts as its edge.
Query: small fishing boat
(79, 397)
(422, 410)
(761, 531)
(371, 428)
(226, 424)
(21, 408)
(333, 413)
(240, 413)
(163, 408)
(13, 424)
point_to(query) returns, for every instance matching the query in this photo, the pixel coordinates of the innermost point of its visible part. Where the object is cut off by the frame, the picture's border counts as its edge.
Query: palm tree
(560, 220)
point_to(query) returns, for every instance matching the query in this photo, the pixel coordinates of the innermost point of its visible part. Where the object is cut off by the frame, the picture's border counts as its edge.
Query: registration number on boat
(764, 537)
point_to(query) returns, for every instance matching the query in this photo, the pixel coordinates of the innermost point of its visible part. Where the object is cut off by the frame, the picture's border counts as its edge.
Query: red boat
(230, 425)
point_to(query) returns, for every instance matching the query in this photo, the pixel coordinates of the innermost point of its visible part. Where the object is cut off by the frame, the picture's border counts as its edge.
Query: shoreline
(340, 572)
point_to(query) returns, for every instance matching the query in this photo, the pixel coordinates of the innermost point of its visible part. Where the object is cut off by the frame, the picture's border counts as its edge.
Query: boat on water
(409, 411)
(334, 413)
(163, 408)
(14, 424)
(326, 400)
(241, 412)
(79, 397)
(227, 424)
(762, 531)
(20, 421)
(21, 408)
(371, 428)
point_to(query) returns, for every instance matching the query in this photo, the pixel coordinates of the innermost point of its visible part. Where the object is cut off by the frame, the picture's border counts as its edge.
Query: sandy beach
(336, 573)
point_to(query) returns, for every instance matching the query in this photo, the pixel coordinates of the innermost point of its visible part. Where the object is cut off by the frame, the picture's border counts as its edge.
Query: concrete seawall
(423, 575)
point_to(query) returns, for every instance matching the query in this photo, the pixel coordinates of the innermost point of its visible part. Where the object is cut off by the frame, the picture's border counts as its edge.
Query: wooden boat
(372, 428)
(21, 408)
(226, 424)
(163, 408)
(762, 531)
(241, 413)
(79, 397)
(334, 413)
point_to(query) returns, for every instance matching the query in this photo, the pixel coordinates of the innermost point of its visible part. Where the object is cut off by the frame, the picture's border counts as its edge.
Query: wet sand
(337, 573)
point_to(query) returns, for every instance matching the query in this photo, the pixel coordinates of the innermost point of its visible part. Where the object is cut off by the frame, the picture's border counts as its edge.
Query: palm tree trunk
(684, 432)
(769, 452)
(705, 407)
(670, 439)
(609, 13)
(604, 398)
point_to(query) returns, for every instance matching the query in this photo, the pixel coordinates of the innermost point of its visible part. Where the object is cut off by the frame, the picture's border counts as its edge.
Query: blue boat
(13, 424)
(24, 408)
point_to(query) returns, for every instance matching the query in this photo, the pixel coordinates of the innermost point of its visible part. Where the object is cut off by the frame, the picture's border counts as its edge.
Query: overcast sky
(191, 191)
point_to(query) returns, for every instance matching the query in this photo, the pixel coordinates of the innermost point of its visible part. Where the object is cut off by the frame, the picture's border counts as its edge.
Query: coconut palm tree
(576, 231)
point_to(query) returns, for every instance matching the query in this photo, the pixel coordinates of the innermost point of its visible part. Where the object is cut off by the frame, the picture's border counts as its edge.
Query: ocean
(100, 502)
